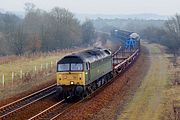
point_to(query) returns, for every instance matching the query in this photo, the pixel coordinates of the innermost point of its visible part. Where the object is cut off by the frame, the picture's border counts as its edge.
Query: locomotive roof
(86, 56)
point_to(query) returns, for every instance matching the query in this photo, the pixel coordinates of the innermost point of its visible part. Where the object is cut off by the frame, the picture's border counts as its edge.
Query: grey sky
(162, 7)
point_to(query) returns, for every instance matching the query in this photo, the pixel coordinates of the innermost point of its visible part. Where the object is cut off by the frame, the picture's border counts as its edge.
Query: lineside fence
(38, 72)
(19, 77)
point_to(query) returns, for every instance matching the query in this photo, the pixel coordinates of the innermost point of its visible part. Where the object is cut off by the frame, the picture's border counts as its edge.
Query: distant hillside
(82, 17)
(126, 24)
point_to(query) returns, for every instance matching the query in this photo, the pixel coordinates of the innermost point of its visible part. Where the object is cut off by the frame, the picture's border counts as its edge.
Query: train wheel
(84, 94)
(94, 86)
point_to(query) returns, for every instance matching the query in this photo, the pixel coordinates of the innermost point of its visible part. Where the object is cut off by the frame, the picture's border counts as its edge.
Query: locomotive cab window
(76, 66)
(63, 67)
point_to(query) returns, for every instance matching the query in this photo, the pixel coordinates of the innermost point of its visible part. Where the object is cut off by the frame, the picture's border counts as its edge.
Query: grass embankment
(148, 100)
(26, 65)
(172, 94)
(45, 71)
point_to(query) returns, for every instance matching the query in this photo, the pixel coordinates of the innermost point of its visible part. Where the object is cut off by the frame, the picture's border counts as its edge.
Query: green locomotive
(81, 73)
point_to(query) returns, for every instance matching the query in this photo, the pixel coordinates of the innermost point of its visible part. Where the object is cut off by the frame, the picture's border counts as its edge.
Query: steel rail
(61, 107)
(25, 101)
(98, 90)
(42, 114)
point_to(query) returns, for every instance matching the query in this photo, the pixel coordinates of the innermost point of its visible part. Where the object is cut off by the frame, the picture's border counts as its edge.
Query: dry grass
(28, 64)
(171, 94)
(147, 103)
(45, 71)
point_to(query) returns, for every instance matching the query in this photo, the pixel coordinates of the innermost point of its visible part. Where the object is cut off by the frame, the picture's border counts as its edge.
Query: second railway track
(12, 108)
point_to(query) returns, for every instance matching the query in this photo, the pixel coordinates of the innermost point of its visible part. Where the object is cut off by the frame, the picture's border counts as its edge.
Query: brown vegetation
(35, 72)
(43, 31)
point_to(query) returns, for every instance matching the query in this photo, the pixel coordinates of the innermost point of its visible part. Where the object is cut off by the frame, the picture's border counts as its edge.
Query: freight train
(80, 74)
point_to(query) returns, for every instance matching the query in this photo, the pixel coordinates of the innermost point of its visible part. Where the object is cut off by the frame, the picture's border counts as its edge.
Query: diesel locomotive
(81, 73)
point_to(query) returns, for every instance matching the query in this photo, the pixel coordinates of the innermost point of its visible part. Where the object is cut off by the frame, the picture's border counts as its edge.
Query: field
(21, 73)
(172, 94)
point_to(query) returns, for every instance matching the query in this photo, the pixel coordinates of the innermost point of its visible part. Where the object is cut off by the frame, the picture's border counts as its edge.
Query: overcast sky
(162, 7)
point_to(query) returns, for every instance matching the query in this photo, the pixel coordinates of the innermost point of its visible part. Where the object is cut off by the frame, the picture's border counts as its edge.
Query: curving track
(56, 110)
(14, 107)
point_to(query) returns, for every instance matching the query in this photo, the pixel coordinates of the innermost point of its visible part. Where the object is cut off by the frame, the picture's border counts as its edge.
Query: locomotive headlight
(71, 83)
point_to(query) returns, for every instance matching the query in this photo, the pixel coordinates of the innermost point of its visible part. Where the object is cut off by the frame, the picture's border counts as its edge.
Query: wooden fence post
(21, 74)
(41, 67)
(12, 78)
(51, 64)
(46, 65)
(3, 82)
(35, 68)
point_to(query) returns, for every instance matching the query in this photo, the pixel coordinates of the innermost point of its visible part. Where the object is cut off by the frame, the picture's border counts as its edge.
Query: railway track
(58, 109)
(14, 107)
(52, 111)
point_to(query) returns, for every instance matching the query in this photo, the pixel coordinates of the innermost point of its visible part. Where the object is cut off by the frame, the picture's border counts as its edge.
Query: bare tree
(16, 41)
(41, 30)
(34, 44)
(64, 28)
(173, 34)
(3, 47)
(29, 7)
(88, 31)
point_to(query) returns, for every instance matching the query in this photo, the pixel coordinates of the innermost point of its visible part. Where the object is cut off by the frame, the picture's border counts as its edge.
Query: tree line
(136, 25)
(165, 32)
(168, 35)
(43, 31)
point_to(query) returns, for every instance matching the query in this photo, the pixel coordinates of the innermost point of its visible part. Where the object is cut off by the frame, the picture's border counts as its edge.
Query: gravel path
(122, 98)
(147, 101)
